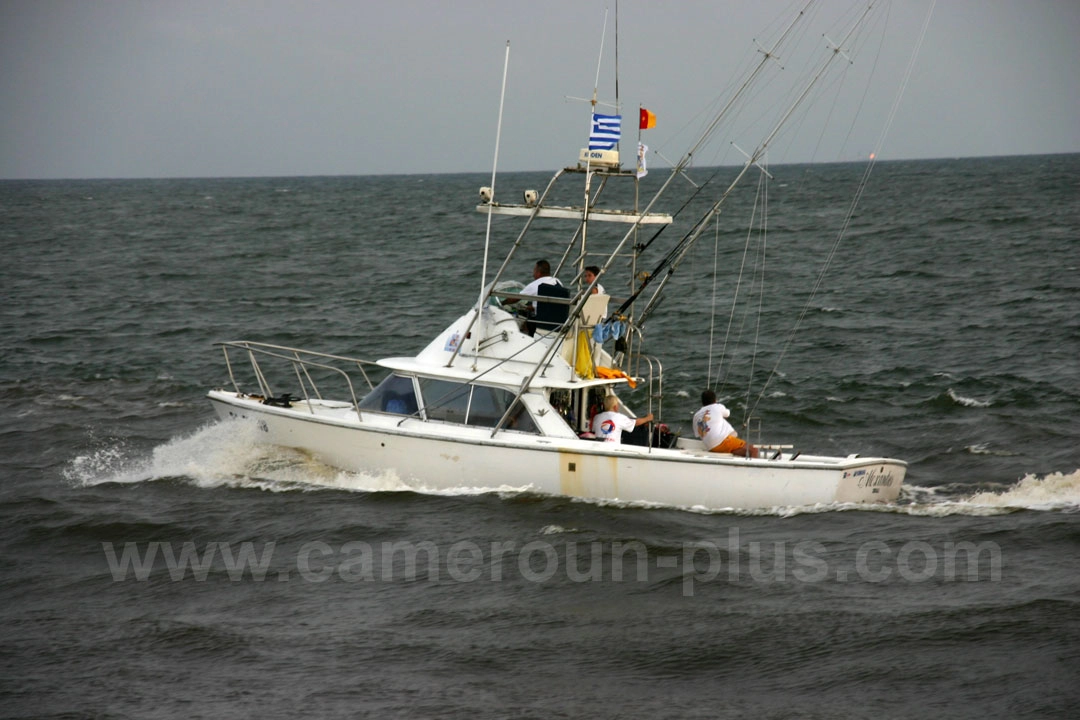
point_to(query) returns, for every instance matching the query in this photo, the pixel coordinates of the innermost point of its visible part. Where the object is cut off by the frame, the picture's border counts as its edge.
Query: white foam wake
(1056, 491)
(1049, 493)
(230, 454)
(1053, 492)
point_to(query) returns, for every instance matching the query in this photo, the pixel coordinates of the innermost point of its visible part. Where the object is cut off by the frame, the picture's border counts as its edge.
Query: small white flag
(642, 171)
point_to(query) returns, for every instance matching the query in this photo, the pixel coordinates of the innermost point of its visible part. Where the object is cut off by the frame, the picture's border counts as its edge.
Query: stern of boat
(876, 480)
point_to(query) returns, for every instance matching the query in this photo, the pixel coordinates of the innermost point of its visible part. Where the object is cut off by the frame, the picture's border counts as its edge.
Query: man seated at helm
(541, 276)
(715, 432)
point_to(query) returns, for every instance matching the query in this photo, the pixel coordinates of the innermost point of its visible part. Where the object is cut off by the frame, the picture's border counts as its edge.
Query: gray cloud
(165, 89)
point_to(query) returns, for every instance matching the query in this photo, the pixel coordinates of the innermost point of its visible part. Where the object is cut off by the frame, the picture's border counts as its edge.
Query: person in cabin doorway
(591, 271)
(715, 431)
(610, 424)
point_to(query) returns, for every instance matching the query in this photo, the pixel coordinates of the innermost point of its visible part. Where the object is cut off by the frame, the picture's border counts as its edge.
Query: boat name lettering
(876, 478)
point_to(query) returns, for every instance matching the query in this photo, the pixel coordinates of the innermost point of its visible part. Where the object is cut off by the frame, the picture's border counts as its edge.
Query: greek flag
(605, 131)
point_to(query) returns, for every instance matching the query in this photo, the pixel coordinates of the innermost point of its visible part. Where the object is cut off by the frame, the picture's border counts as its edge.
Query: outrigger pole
(672, 260)
(684, 162)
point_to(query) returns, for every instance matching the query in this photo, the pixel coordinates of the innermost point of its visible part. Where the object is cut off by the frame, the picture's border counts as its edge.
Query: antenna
(594, 100)
(491, 188)
(599, 60)
(617, 54)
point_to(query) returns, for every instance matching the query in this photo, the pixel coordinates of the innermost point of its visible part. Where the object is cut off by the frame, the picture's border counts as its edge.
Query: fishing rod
(695, 232)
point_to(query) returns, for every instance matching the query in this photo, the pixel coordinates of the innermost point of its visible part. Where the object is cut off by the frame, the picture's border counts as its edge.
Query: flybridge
(532, 200)
(604, 163)
(575, 213)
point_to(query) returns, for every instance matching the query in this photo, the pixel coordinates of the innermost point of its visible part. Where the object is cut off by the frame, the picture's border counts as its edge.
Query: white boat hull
(445, 456)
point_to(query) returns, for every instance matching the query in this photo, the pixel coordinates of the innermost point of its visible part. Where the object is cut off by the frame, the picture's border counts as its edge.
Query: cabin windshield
(394, 395)
(448, 401)
(480, 405)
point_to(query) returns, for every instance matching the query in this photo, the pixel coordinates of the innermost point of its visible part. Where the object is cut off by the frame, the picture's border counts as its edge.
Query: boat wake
(1055, 492)
(230, 454)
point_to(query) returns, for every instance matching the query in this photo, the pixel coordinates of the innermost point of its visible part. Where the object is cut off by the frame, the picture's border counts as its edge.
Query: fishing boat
(507, 392)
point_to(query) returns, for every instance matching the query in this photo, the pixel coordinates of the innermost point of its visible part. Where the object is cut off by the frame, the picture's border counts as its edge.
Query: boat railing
(767, 451)
(654, 380)
(302, 362)
(516, 296)
(753, 430)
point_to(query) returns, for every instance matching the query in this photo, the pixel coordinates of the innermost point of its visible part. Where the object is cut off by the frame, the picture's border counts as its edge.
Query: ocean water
(158, 563)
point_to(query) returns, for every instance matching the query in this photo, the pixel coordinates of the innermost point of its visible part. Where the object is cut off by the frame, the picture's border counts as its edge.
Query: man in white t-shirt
(715, 432)
(610, 424)
(541, 276)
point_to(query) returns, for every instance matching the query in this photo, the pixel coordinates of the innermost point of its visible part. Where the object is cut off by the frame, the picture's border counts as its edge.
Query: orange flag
(648, 120)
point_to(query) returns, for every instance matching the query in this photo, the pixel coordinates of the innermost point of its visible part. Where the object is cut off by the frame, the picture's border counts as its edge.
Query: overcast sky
(208, 88)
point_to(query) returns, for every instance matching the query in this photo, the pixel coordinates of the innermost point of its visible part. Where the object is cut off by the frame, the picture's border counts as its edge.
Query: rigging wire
(851, 209)
(873, 73)
(763, 245)
(712, 305)
(760, 201)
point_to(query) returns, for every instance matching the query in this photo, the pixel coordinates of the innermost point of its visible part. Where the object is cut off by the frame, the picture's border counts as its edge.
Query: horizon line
(505, 172)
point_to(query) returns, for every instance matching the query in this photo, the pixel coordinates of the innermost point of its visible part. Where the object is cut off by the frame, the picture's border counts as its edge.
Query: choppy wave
(331, 266)
(966, 401)
(985, 449)
(557, 530)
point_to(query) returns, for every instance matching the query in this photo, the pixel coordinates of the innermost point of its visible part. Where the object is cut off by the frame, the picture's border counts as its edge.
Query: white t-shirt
(609, 425)
(710, 425)
(533, 288)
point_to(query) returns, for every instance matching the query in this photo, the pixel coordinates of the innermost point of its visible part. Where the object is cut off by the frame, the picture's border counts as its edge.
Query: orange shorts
(730, 444)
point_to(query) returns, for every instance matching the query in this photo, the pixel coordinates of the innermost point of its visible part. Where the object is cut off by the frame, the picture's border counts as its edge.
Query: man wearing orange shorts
(715, 432)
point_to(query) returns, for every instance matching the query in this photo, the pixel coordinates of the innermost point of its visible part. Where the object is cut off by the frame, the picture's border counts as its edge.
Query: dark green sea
(159, 564)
